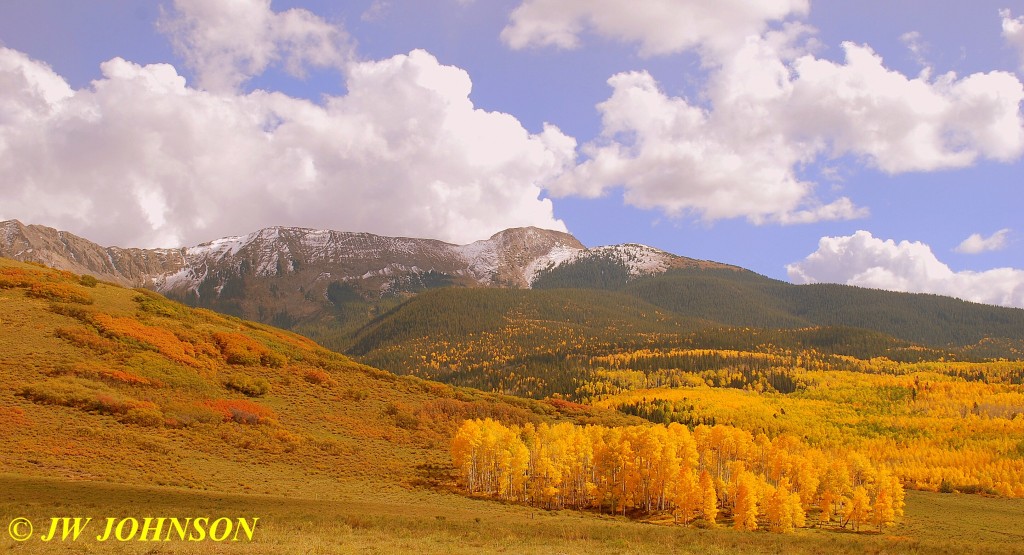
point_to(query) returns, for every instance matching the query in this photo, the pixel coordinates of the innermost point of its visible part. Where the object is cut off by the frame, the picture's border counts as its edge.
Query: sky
(873, 143)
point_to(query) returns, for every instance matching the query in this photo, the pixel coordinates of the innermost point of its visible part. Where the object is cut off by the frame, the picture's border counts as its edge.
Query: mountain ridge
(509, 258)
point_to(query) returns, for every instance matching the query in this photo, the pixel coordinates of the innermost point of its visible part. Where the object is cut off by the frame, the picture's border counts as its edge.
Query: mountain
(60, 249)
(338, 288)
(288, 276)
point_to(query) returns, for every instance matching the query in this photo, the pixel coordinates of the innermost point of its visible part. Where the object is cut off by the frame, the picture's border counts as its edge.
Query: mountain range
(358, 292)
(287, 274)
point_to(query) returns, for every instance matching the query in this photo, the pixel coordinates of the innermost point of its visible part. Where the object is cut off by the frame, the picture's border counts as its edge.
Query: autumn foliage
(701, 475)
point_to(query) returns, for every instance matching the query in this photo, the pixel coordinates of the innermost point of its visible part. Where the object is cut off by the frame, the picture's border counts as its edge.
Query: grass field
(371, 517)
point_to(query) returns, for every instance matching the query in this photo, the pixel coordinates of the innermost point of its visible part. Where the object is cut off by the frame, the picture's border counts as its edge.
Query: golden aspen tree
(796, 510)
(514, 460)
(806, 478)
(882, 513)
(745, 510)
(605, 469)
(709, 499)
(857, 509)
(776, 509)
(465, 446)
(895, 489)
(687, 495)
(827, 506)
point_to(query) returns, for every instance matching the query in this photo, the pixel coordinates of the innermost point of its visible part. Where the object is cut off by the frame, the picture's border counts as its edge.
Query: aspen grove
(713, 474)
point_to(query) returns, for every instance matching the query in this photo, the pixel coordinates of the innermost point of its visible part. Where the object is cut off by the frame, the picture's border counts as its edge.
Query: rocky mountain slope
(286, 275)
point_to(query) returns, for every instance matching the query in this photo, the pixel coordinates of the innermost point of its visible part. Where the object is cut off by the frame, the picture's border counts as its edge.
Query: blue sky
(737, 131)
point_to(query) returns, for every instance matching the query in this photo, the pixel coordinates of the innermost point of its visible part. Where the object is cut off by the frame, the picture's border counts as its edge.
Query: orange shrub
(165, 342)
(111, 375)
(242, 350)
(241, 410)
(82, 336)
(15, 277)
(317, 376)
(89, 396)
(60, 292)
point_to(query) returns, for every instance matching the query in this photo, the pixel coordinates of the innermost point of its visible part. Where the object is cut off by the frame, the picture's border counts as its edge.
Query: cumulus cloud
(140, 158)
(976, 244)
(227, 43)
(658, 26)
(863, 260)
(773, 108)
(1013, 32)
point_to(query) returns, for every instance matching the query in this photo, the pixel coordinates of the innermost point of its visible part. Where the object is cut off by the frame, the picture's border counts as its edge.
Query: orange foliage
(241, 410)
(758, 481)
(11, 417)
(165, 342)
(239, 349)
(114, 375)
(59, 292)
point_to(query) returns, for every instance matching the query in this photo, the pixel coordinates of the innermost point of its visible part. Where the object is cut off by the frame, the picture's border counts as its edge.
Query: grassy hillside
(100, 382)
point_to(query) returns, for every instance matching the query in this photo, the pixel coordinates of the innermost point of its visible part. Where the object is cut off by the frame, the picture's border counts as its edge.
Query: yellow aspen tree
(806, 478)
(515, 459)
(776, 510)
(796, 510)
(882, 513)
(687, 497)
(709, 499)
(827, 506)
(745, 510)
(895, 488)
(465, 446)
(857, 509)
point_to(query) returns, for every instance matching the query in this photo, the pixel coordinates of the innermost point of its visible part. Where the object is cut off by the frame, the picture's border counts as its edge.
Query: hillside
(545, 342)
(100, 382)
(741, 298)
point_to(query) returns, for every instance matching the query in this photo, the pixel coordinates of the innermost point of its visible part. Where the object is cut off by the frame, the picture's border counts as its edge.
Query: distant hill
(544, 341)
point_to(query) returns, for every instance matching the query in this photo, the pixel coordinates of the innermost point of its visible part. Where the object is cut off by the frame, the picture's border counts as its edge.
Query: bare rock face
(60, 249)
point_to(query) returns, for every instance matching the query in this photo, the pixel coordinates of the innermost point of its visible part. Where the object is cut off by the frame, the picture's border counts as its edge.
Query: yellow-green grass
(376, 517)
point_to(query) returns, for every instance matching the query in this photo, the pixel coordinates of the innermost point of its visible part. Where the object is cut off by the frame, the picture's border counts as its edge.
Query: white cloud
(1013, 32)
(916, 45)
(902, 124)
(659, 26)
(976, 244)
(774, 109)
(139, 158)
(227, 43)
(863, 260)
(378, 10)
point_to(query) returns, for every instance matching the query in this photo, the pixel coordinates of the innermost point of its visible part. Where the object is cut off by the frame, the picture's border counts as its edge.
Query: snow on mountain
(307, 260)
